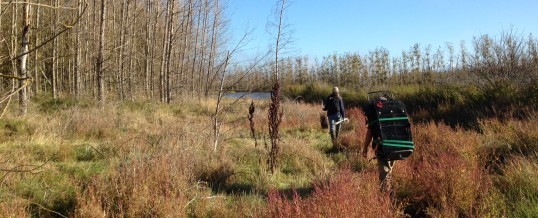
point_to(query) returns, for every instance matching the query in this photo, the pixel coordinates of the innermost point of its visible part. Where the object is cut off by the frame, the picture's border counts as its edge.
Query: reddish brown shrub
(443, 177)
(353, 132)
(357, 121)
(346, 194)
(300, 116)
(140, 187)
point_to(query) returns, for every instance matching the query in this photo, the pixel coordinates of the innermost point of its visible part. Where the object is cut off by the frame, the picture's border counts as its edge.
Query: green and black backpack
(390, 126)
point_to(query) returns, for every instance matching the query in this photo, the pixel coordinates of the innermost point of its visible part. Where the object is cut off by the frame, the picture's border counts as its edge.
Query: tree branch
(40, 5)
(67, 27)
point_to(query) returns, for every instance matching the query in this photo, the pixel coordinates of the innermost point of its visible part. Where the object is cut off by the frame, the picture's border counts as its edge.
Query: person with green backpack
(384, 166)
(389, 132)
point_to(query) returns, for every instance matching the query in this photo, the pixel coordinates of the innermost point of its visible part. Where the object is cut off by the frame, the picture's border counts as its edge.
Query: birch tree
(100, 55)
(23, 97)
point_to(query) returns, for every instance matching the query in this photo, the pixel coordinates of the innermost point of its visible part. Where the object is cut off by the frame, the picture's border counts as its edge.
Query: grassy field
(145, 159)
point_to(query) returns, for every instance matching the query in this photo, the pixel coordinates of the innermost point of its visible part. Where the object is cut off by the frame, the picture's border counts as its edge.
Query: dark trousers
(334, 129)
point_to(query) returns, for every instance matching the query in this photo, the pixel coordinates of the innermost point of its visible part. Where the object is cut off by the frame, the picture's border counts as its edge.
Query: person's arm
(367, 140)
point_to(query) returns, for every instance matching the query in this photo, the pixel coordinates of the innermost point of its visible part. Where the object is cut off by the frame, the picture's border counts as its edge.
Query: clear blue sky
(322, 27)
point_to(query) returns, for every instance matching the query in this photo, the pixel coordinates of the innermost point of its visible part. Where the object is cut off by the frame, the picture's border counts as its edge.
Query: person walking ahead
(334, 105)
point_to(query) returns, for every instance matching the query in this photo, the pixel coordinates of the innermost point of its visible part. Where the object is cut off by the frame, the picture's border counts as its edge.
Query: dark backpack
(332, 105)
(390, 127)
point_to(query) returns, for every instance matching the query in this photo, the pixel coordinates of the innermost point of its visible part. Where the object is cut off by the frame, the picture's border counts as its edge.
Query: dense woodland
(123, 116)
(129, 49)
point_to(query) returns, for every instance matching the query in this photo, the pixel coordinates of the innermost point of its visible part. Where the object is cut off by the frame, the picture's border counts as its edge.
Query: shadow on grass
(415, 209)
(249, 189)
(333, 150)
(302, 192)
(237, 189)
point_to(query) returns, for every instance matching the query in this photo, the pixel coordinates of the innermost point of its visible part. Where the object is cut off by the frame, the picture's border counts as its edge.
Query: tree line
(488, 61)
(126, 49)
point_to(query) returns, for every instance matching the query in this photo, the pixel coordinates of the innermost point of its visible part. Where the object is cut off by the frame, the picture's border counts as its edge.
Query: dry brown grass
(13, 207)
(443, 177)
(140, 159)
(143, 187)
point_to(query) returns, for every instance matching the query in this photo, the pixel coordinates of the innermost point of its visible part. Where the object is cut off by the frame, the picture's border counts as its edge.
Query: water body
(251, 95)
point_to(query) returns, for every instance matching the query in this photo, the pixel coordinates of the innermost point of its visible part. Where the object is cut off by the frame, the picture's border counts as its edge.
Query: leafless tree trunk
(218, 110)
(130, 67)
(36, 54)
(203, 43)
(195, 53)
(100, 60)
(89, 39)
(168, 50)
(77, 54)
(23, 96)
(214, 37)
(14, 40)
(163, 74)
(54, 58)
(147, 47)
(121, 62)
(152, 10)
(184, 47)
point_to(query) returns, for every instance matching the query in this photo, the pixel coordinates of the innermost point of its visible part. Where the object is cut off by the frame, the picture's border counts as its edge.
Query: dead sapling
(251, 110)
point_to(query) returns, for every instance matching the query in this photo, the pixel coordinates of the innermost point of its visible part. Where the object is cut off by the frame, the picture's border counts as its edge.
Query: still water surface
(252, 95)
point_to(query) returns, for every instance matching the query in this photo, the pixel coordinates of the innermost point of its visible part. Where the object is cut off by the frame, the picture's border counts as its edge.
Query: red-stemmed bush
(444, 177)
(346, 194)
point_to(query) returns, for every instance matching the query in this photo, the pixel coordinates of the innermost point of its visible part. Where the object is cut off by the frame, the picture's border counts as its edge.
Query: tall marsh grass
(143, 159)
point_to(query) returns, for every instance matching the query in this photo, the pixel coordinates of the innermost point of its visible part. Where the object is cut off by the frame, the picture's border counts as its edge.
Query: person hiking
(334, 105)
(384, 166)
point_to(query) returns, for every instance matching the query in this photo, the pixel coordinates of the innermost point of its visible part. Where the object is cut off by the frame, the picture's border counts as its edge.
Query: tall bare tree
(36, 54)
(54, 55)
(100, 55)
(23, 96)
(168, 51)
(78, 62)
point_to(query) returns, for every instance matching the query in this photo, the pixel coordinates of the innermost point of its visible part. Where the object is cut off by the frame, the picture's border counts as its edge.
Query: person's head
(336, 91)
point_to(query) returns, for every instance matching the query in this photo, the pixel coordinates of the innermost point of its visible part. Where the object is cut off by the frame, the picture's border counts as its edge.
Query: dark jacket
(341, 109)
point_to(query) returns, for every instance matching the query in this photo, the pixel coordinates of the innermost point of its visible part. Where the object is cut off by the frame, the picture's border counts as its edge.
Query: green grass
(143, 158)
(51, 190)
(519, 185)
(10, 127)
(450, 104)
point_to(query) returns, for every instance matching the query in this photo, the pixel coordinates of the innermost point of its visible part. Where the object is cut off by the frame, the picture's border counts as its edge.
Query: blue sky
(323, 27)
